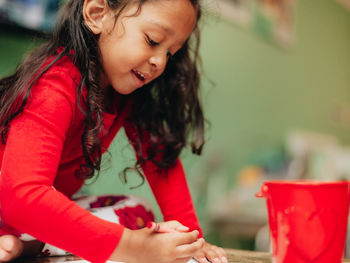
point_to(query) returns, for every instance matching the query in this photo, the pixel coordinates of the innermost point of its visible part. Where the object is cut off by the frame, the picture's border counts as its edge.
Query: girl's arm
(30, 163)
(170, 190)
(173, 196)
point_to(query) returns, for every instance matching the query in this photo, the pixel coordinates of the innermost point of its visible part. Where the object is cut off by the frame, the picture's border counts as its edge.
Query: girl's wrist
(125, 248)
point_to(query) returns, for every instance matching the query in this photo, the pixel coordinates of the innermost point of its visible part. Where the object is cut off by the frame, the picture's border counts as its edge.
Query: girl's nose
(158, 60)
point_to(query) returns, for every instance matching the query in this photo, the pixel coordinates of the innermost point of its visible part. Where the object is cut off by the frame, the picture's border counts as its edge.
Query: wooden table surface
(234, 256)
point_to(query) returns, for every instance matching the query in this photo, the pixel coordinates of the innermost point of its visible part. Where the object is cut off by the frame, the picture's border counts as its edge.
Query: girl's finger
(160, 228)
(186, 238)
(189, 250)
(167, 227)
(177, 226)
(223, 254)
(220, 253)
(201, 259)
(216, 255)
(183, 260)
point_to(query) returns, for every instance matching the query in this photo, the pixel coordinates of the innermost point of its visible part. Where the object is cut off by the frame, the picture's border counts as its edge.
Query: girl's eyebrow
(164, 28)
(161, 26)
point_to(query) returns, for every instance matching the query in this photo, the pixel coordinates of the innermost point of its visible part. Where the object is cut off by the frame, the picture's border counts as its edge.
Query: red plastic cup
(307, 220)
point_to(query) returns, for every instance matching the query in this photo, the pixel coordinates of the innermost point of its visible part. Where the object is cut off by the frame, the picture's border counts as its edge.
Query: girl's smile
(136, 47)
(141, 78)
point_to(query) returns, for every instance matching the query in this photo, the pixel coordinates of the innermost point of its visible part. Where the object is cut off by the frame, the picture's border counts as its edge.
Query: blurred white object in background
(301, 145)
(330, 164)
(2, 3)
(317, 156)
(28, 12)
(38, 15)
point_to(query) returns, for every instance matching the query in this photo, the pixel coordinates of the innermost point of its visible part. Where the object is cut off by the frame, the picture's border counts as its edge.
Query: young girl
(109, 64)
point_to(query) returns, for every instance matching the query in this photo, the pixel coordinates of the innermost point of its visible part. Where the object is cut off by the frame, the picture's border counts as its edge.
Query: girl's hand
(147, 246)
(212, 253)
(167, 227)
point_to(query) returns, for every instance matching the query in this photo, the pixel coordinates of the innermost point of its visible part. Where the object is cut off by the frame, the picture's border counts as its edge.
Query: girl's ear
(93, 12)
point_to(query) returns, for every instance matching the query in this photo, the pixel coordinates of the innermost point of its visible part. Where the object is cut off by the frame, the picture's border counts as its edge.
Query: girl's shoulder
(63, 67)
(59, 82)
(61, 73)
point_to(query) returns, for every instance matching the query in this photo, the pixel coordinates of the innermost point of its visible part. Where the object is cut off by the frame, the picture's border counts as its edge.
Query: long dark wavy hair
(167, 110)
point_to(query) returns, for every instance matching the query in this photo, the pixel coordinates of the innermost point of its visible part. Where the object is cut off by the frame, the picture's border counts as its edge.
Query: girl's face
(136, 48)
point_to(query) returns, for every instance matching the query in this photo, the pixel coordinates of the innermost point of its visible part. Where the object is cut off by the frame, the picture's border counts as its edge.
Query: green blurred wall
(253, 92)
(262, 90)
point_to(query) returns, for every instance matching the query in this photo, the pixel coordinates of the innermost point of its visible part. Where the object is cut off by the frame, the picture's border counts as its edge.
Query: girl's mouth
(139, 75)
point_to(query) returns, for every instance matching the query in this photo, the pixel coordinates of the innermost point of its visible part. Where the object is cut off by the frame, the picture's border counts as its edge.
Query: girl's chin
(124, 90)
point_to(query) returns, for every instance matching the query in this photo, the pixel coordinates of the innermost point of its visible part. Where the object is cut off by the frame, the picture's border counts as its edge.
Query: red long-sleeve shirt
(38, 164)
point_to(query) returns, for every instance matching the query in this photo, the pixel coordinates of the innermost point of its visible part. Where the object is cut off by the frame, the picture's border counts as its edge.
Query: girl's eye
(152, 42)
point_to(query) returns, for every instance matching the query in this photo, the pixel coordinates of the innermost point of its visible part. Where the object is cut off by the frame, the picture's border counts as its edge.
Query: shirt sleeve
(31, 158)
(169, 187)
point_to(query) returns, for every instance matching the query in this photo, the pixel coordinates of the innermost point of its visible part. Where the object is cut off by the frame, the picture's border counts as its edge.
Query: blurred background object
(31, 14)
(345, 3)
(305, 155)
(275, 110)
(274, 20)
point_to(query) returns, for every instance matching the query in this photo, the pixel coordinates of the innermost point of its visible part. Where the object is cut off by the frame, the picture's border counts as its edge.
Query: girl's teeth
(140, 75)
